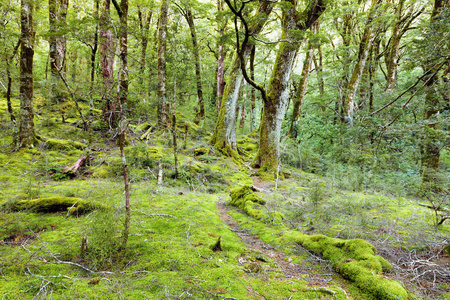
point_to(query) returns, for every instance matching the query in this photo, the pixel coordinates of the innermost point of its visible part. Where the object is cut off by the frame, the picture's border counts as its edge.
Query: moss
(447, 249)
(144, 126)
(55, 144)
(245, 199)
(53, 204)
(201, 151)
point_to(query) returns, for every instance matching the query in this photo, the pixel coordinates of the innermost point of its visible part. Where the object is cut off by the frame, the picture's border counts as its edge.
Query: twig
(154, 215)
(64, 262)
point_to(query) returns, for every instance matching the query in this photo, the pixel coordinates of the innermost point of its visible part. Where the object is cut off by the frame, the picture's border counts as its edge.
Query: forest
(225, 149)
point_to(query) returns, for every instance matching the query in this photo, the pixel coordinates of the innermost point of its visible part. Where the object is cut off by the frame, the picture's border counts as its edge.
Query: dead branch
(76, 166)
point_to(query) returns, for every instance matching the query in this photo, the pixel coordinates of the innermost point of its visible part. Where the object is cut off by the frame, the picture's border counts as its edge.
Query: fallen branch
(76, 166)
(154, 215)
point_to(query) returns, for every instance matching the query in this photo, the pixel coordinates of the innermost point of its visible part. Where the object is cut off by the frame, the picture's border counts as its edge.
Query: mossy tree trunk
(8, 59)
(162, 76)
(220, 60)
(224, 136)
(369, 34)
(277, 96)
(253, 95)
(27, 135)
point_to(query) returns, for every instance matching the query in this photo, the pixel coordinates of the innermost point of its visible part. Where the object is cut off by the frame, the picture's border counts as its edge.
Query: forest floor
(73, 251)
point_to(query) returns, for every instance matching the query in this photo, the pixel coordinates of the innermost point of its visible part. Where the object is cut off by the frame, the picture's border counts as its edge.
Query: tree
(224, 136)
(275, 99)
(186, 11)
(432, 138)
(162, 76)
(27, 135)
(122, 11)
(57, 13)
(107, 53)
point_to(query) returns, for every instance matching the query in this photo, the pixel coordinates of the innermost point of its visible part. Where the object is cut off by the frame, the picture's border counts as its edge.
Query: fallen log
(75, 167)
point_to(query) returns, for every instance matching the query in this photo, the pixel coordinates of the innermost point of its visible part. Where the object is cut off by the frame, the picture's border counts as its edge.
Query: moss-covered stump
(356, 261)
(53, 204)
(201, 151)
(65, 145)
(245, 199)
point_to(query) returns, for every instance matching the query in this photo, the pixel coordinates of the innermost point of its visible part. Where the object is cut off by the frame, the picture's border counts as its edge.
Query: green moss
(55, 144)
(245, 199)
(53, 204)
(201, 151)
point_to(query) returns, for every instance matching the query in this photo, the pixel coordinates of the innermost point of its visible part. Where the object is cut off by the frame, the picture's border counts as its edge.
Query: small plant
(102, 240)
(317, 192)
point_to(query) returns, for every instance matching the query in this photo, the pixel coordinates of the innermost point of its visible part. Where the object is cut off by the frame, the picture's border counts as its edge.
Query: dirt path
(289, 269)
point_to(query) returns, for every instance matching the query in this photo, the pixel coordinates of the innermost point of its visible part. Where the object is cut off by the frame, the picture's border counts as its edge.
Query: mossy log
(54, 204)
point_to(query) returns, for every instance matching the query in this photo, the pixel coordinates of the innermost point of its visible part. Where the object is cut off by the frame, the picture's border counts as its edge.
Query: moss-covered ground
(175, 225)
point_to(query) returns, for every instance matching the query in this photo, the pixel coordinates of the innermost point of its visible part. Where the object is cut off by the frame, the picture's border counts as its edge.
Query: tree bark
(277, 96)
(122, 11)
(187, 12)
(107, 52)
(27, 135)
(162, 76)
(301, 90)
(220, 60)
(253, 96)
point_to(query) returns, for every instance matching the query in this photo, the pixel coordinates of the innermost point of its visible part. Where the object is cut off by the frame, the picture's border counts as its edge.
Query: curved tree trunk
(162, 76)
(277, 100)
(224, 136)
(349, 104)
(27, 136)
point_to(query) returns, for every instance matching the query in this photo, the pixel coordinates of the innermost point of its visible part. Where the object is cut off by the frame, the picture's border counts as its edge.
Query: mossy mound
(356, 261)
(201, 151)
(65, 145)
(245, 199)
(53, 204)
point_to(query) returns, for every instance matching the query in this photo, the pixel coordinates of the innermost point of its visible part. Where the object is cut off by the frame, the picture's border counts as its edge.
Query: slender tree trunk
(107, 51)
(144, 25)
(122, 11)
(220, 61)
(224, 136)
(94, 49)
(198, 76)
(301, 90)
(253, 96)
(27, 135)
(244, 98)
(349, 104)
(162, 76)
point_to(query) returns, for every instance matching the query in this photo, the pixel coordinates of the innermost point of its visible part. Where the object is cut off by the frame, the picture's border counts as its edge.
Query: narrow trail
(289, 269)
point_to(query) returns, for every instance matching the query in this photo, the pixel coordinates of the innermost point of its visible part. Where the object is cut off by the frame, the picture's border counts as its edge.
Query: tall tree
(368, 36)
(122, 11)
(107, 53)
(431, 141)
(27, 135)
(57, 13)
(162, 76)
(186, 11)
(224, 136)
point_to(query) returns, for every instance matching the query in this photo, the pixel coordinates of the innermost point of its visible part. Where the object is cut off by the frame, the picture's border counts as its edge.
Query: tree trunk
(107, 51)
(349, 104)
(429, 144)
(122, 11)
(162, 76)
(144, 25)
(244, 98)
(220, 61)
(224, 136)
(27, 136)
(253, 96)
(198, 75)
(94, 49)
(301, 90)
(276, 103)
